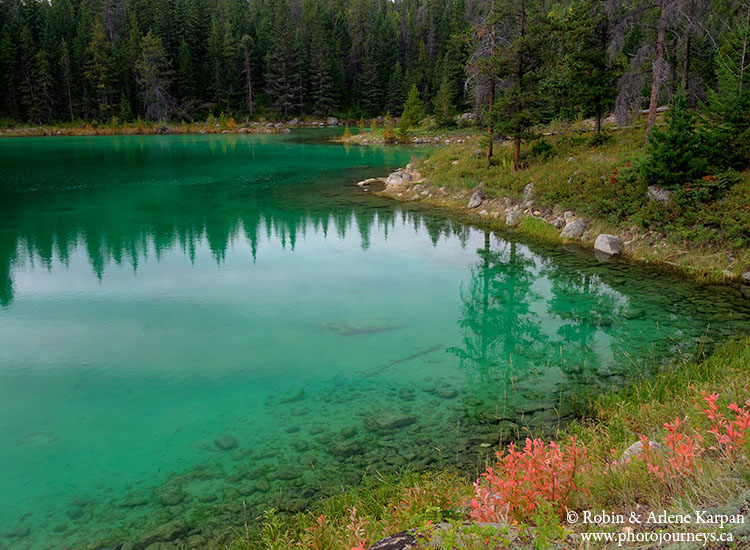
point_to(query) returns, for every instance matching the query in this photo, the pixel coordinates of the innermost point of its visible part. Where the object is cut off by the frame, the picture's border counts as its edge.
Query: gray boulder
(657, 193)
(637, 449)
(528, 192)
(608, 244)
(513, 218)
(332, 121)
(399, 541)
(573, 229)
(476, 199)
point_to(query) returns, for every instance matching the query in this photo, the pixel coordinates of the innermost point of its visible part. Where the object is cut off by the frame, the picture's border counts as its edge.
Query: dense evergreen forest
(531, 60)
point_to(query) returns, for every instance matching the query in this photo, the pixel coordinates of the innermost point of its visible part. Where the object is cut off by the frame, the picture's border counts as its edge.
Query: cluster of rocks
(406, 184)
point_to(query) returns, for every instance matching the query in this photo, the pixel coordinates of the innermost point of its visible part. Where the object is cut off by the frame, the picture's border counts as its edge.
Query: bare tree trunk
(248, 81)
(519, 97)
(686, 59)
(658, 73)
(490, 130)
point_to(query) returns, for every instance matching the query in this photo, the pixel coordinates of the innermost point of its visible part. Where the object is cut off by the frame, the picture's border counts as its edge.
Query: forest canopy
(523, 62)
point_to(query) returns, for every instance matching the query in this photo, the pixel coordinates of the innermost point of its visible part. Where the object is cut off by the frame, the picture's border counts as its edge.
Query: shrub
(541, 149)
(524, 479)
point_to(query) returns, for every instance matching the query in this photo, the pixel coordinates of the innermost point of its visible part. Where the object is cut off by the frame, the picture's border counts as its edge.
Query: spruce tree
(154, 76)
(66, 75)
(675, 155)
(445, 111)
(321, 81)
(98, 69)
(412, 112)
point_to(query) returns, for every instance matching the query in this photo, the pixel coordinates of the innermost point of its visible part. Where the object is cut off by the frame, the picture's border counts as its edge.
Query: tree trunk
(686, 59)
(248, 81)
(490, 133)
(658, 74)
(598, 119)
(519, 97)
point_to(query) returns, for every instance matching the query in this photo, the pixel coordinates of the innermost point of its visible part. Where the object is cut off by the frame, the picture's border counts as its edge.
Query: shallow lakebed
(190, 323)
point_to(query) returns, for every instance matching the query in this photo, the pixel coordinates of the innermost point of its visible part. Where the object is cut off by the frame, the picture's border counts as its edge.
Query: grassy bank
(596, 179)
(714, 478)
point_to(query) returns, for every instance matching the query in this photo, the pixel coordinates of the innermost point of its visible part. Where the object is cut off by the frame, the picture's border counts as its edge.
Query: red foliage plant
(524, 478)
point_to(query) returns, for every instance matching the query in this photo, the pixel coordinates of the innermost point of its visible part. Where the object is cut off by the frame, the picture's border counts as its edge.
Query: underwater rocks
(164, 533)
(226, 442)
(345, 449)
(388, 422)
(170, 495)
(133, 501)
(18, 532)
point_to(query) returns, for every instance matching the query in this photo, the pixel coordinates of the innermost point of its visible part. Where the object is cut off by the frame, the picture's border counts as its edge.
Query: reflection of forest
(126, 226)
(538, 329)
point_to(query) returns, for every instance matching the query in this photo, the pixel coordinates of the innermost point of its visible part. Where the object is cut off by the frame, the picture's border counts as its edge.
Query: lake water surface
(188, 323)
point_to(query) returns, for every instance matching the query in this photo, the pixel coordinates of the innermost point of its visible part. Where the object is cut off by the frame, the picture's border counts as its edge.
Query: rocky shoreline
(409, 185)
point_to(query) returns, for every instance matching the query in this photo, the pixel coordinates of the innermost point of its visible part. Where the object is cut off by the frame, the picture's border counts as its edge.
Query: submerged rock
(18, 532)
(164, 533)
(133, 501)
(446, 392)
(226, 442)
(608, 244)
(388, 422)
(345, 449)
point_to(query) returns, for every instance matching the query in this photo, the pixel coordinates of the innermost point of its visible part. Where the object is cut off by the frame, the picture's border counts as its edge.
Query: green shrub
(541, 149)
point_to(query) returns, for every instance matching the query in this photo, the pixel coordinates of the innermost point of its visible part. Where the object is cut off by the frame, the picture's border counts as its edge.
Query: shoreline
(548, 224)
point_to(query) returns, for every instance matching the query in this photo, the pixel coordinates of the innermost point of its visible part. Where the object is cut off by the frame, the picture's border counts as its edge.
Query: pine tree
(727, 134)
(40, 109)
(98, 69)
(445, 112)
(397, 89)
(412, 112)
(154, 75)
(66, 74)
(185, 76)
(321, 82)
(675, 154)
(519, 65)
(246, 43)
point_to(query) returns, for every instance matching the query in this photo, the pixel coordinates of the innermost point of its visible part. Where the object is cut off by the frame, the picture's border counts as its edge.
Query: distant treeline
(532, 60)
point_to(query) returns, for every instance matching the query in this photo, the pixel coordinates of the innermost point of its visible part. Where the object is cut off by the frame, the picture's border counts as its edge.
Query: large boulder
(476, 199)
(608, 244)
(332, 121)
(399, 177)
(573, 229)
(657, 193)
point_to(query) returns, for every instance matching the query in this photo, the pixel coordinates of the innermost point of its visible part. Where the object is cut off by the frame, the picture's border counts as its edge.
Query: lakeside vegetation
(694, 413)
(702, 229)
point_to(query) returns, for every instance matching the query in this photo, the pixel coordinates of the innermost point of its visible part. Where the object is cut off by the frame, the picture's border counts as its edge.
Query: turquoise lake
(190, 323)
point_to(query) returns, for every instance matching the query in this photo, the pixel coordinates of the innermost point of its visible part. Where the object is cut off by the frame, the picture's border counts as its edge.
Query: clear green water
(158, 293)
